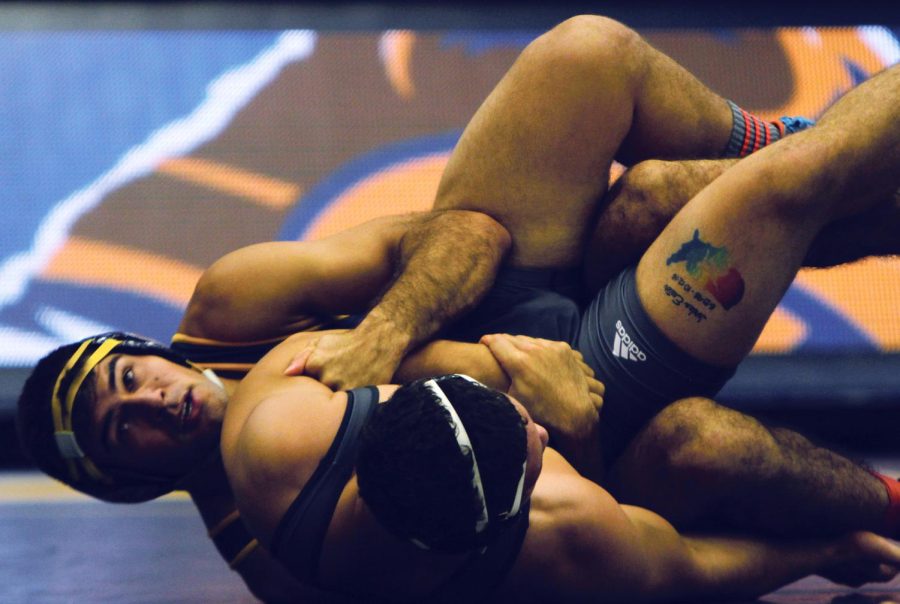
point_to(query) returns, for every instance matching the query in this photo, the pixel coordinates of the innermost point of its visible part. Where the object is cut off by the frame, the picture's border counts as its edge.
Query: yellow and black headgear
(47, 411)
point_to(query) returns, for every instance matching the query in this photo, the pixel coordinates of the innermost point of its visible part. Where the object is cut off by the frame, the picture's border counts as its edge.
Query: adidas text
(624, 348)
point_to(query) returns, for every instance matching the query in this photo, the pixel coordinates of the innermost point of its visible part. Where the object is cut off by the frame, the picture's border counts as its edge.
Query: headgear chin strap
(462, 439)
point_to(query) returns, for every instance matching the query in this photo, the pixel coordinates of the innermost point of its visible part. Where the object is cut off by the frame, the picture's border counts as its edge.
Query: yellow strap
(92, 470)
(242, 555)
(54, 401)
(62, 423)
(97, 356)
(223, 524)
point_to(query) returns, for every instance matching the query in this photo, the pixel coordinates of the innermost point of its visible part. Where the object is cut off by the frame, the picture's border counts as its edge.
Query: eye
(128, 379)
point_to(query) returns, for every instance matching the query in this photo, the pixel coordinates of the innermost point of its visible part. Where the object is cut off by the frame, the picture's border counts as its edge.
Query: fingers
(597, 389)
(504, 348)
(585, 368)
(597, 401)
(297, 366)
(527, 344)
(893, 551)
(886, 549)
(511, 342)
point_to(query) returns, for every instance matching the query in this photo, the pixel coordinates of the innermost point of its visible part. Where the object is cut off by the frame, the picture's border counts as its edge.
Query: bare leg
(732, 251)
(638, 207)
(701, 465)
(536, 155)
(646, 198)
(870, 233)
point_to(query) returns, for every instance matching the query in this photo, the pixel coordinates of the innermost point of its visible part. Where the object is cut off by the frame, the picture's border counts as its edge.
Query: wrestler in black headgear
(51, 401)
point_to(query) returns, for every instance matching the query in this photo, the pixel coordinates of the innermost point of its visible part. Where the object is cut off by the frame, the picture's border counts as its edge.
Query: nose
(149, 405)
(152, 398)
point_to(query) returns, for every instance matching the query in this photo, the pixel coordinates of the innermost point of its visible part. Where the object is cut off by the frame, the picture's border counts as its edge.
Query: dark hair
(415, 479)
(34, 424)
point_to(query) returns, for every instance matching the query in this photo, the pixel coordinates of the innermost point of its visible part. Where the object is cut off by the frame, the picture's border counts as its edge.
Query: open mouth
(186, 410)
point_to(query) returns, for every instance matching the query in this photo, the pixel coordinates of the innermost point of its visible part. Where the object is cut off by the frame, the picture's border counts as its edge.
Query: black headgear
(83, 473)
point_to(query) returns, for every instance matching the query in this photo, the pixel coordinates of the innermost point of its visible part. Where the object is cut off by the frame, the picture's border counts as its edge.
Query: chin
(213, 410)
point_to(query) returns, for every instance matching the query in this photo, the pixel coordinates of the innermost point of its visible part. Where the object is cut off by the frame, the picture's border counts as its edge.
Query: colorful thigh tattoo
(711, 267)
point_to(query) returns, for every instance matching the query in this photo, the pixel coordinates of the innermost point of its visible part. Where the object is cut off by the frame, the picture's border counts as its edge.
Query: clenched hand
(552, 381)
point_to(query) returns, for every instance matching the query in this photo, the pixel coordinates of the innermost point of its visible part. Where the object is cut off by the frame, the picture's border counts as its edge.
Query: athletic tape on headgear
(465, 444)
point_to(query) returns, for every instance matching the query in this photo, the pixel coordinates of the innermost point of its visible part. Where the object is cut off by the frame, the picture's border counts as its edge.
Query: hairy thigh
(537, 153)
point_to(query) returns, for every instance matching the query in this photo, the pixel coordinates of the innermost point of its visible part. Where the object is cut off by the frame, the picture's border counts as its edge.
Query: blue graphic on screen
(75, 104)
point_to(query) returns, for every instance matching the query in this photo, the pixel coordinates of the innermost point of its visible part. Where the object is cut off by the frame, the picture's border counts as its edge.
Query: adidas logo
(624, 348)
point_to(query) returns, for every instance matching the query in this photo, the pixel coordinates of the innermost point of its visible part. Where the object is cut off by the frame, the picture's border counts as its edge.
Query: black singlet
(298, 538)
(297, 541)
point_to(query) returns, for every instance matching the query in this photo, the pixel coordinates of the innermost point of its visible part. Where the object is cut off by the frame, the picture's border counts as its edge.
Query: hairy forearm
(445, 264)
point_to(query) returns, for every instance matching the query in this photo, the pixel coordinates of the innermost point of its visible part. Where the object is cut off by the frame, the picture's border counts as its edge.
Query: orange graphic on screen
(249, 191)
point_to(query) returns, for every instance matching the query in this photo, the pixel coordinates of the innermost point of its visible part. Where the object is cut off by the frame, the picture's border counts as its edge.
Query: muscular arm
(446, 263)
(414, 272)
(712, 567)
(441, 357)
(583, 545)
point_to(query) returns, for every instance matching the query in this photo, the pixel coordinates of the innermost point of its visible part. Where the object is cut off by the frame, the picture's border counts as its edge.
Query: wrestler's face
(536, 439)
(153, 415)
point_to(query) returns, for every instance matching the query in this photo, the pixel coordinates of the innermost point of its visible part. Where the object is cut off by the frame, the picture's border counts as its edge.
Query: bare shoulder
(273, 418)
(271, 451)
(276, 430)
(577, 542)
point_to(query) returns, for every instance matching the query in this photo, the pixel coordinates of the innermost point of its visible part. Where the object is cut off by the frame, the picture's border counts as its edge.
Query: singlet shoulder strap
(233, 539)
(297, 542)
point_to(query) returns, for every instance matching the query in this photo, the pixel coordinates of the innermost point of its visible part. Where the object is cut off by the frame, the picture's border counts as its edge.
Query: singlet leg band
(642, 369)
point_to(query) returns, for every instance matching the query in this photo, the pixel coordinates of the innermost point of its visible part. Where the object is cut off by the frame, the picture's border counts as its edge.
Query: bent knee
(489, 228)
(585, 39)
(698, 436)
(645, 181)
(672, 183)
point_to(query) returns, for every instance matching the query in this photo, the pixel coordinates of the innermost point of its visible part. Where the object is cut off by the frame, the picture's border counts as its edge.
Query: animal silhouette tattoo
(710, 266)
